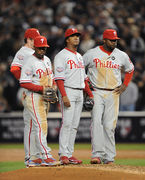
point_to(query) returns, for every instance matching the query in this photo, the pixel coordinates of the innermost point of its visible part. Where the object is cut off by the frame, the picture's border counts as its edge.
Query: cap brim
(43, 46)
(79, 34)
(114, 38)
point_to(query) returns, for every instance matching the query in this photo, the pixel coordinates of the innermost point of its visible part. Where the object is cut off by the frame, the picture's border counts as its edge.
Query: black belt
(105, 89)
(74, 88)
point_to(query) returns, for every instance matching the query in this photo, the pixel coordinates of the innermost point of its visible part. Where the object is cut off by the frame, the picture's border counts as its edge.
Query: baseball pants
(70, 121)
(104, 119)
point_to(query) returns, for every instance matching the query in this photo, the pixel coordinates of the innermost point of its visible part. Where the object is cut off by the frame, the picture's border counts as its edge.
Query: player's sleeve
(59, 68)
(26, 73)
(60, 85)
(86, 59)
(32, 87)
(88, 90)
(16, 71)
(18, 60)
(51, 72)
(50, 68)
(129, 69)
(128, 65)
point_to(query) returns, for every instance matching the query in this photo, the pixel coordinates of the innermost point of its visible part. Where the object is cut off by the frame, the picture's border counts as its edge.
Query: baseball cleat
(74, 160)
(48, 162)
(64, 160)
(26, 162)
(95, 160)
(36, 162)
(108, 162)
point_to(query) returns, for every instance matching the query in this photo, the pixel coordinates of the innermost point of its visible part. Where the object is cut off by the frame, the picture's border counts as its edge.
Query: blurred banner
(130, 127)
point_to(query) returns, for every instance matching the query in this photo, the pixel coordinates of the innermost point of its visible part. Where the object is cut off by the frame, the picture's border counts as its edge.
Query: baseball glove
(49, 95)
(88, 104)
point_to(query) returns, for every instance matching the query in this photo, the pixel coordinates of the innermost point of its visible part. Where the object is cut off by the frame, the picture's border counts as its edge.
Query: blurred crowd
(91, 18)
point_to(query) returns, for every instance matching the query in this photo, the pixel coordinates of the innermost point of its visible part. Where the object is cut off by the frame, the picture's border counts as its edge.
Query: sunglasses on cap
(42, 48)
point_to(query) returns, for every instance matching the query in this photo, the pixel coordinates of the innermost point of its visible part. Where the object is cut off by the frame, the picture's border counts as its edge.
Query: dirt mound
(85, 172)
(74, 172)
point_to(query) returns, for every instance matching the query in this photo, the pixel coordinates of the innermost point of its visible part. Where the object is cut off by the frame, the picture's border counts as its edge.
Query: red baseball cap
(40, 41)
(31, 33)
(71, 31)
(110, 34)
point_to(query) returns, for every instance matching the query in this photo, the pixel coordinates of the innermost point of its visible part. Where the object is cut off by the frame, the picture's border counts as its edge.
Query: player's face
(73, 40)
(40, 52)
(30, 43)
(110, 44)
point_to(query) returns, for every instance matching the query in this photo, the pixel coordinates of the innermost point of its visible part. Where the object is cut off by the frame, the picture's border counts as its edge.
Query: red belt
(104, 89)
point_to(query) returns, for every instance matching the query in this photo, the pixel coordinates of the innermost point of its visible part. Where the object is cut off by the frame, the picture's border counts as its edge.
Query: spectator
(52, 18)
(137, 46)
(129, 97)
(3, 103)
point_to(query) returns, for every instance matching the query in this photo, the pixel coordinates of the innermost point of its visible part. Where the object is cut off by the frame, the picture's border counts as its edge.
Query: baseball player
(36, 75)
(104, 65)
(70, 78)
(16, 66)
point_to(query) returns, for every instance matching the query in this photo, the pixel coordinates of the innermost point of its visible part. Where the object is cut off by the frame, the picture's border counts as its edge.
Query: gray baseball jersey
(21, 56)
(19, 60)
(104, 71)
(38, 72)
(35, 71)
(69, 66)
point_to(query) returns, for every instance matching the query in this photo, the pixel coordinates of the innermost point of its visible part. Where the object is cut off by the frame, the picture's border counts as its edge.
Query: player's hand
(120, 89)
(66, 101)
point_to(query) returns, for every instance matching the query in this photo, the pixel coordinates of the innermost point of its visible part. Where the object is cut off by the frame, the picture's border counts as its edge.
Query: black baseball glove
(88, 104)
(49, 95)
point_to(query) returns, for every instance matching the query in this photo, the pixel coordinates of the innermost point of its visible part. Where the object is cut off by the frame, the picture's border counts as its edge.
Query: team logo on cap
(42, 40)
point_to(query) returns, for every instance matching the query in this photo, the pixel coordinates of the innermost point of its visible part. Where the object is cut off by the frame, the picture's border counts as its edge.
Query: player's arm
(129, 69)
(32, 87)
(87, 89)
(16, 71)
(60, 85)
(59, 69)
(127, 78)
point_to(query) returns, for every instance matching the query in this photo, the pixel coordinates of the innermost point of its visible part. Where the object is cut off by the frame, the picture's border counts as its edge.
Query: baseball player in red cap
(24, 51)
(16, 66)
(37, 74)
(71, 80)
(104, 65)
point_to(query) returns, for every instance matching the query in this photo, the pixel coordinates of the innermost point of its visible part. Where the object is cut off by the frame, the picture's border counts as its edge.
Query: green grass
(132, 146)
(10, 166)
(123, 146)
(129, 162)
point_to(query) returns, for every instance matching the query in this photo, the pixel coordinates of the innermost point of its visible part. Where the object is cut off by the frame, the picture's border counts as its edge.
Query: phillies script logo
(74, 65)
(105, 64)
(40, 72)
